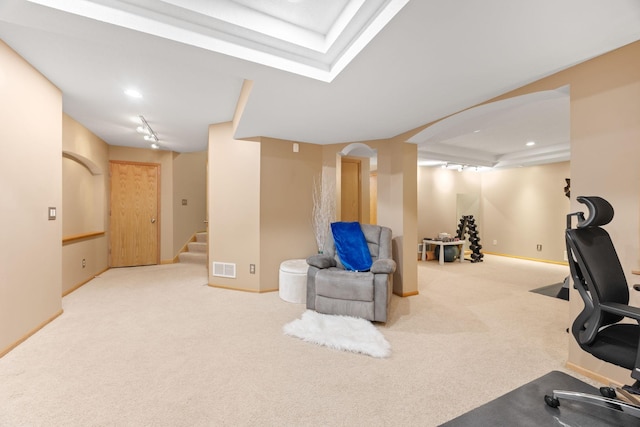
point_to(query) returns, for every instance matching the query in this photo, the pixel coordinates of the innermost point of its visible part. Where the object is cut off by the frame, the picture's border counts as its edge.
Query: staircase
(196, 250)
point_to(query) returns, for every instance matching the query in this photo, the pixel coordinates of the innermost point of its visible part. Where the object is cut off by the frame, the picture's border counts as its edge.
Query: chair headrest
(600, 211)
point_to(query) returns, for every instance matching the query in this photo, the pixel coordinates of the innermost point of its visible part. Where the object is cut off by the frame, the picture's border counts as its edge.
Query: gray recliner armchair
(331, 289)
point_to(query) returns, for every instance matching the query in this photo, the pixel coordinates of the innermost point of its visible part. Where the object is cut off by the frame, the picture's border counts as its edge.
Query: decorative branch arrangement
(324, 208)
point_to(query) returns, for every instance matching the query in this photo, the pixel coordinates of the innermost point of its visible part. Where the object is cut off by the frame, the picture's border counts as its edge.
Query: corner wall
(398, 208)
(234, 207)
(30, 183)
(85, 170)
(286, 188)
(605, 148)
(605, 129)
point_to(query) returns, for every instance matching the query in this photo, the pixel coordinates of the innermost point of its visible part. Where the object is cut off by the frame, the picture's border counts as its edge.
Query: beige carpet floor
(156, 346)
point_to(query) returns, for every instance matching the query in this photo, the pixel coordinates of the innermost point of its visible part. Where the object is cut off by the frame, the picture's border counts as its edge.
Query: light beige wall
(519, 208)
(524, 207)
(234, 207)
(165, 160)
(189, 182)
(85, 171)
(410, 217)
(286, 187)
(605, 130)
(30, 183)
(83, 202)
(260, 202)
(398, 207)
(438, 190)
(86, 188)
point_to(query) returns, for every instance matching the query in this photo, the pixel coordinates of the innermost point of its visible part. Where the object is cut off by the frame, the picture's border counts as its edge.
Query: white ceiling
(314, 79)
(496, 135)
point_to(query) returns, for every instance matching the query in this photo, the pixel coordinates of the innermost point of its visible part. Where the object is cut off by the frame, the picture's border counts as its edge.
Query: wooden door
(351, 190)
(134, 215)
(373, 198)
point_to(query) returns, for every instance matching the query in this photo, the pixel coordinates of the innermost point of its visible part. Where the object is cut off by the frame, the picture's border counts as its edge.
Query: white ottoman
(293, 280)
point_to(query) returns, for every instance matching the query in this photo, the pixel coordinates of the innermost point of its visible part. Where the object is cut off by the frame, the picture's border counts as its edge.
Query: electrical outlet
(539, 248)
(252, 268)
(84, 263)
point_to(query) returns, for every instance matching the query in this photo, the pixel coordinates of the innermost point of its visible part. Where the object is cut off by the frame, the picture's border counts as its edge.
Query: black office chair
(600, 280)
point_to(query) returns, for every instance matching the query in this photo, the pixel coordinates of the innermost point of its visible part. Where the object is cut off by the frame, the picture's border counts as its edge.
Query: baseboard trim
(593, 375)
(79, 285)
(409, 294)
(255, 291)
(30, 333)
(528, 258)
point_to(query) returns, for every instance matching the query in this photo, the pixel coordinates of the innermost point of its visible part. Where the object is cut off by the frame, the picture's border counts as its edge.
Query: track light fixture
(460, 167)
(149, 134)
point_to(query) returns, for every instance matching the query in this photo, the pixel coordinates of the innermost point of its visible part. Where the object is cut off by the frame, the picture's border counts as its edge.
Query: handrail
(82, 236)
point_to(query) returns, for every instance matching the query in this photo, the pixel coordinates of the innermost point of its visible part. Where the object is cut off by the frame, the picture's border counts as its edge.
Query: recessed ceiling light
(531, 143)
(133, 93)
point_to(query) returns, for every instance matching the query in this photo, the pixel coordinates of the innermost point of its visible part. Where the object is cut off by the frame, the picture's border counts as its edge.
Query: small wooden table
(442, 244)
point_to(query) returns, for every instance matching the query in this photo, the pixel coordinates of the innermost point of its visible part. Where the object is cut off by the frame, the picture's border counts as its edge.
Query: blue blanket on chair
(351, 246)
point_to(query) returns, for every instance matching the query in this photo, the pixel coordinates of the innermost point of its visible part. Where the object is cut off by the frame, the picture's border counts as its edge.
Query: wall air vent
(224, 269)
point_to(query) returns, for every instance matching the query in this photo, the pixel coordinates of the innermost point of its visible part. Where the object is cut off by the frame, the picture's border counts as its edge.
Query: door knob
(153, 220)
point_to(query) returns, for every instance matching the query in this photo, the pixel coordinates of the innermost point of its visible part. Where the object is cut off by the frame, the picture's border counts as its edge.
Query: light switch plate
(52, 214)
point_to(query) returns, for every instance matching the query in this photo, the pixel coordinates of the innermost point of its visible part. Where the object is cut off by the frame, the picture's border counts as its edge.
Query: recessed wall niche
(83, 196)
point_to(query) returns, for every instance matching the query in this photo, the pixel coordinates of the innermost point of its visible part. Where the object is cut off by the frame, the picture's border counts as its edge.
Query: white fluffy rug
(339, 332)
